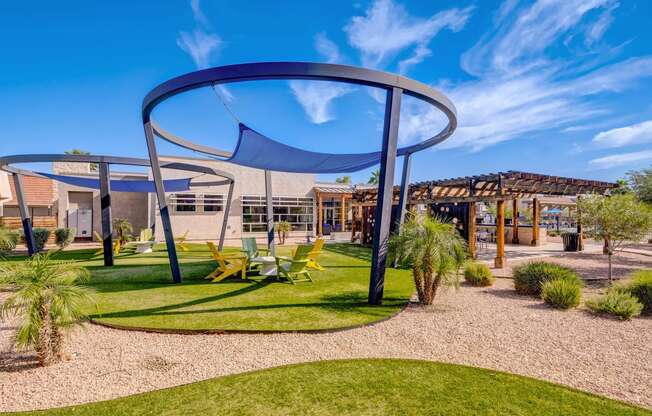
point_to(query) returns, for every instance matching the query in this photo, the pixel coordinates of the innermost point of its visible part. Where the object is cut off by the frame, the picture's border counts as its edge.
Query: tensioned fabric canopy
(119, 185)
(259, 151)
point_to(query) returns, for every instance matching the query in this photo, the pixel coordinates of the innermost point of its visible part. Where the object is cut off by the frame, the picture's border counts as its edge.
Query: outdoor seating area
(257, 235)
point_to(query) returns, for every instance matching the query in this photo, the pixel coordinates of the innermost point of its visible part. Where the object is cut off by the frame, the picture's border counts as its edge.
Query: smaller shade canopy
(170, 185)
(258, 151)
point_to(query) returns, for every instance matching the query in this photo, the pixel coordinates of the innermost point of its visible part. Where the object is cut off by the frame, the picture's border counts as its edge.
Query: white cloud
(518, 90)
(595, 32)
(386, 29)
(316, 96)
(621, 159)
(623, 136)
(201, 46)
(197, 13)
(327, 48)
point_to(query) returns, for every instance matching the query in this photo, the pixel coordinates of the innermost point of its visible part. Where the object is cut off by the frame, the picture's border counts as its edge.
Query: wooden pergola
(493, 187)
(341, 193)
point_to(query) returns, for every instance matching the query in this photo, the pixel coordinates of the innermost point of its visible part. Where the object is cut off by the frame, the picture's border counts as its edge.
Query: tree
(123, 228)
(343, 179)
(623, 187)
(91, 166)
(283, 228)
(615, 220)
(8, 241)
(433, 249)
(375, 177)
(47, 298)
(641, 183)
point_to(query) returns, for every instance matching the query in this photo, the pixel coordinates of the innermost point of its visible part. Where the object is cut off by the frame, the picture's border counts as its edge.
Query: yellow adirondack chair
(116, 245)
(180, 242)
(227, 264)
(314, 253)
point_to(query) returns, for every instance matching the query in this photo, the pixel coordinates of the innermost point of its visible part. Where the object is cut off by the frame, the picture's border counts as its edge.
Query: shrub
(8, 240)
(478, 274)
(562, 293)
(41, 236)
(64, 236)
(616, 301)
(529, 277)
(641, 287)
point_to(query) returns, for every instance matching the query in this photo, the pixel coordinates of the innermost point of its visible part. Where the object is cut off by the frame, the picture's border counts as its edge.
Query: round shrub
(562, 293)
(41, 236)
(617, 302)
(529, 277)
(641, 287)
(8, 240)
(64, 236)
(478, 274)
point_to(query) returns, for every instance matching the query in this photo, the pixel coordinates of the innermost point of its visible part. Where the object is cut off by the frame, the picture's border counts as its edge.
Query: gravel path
(492, 328)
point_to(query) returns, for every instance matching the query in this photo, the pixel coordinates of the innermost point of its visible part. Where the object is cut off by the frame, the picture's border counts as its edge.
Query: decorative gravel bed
(484, 327)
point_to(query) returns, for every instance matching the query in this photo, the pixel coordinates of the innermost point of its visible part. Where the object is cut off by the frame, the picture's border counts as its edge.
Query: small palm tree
(433, 249)
(375, 177)
(123, 228)
(283, 228)
(8, 240)
(47, 298)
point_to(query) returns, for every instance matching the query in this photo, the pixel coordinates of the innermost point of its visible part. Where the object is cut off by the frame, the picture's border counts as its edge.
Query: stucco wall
(248, 181)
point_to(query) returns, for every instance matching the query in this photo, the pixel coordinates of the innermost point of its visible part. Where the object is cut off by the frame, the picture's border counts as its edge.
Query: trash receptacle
(571, 241)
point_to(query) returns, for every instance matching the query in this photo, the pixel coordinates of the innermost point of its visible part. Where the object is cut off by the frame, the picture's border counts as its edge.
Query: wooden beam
(536, 219)
(499, 261)
(343, 214)
(472, 237)
(320, 215)
(580, 244)
(515, 215)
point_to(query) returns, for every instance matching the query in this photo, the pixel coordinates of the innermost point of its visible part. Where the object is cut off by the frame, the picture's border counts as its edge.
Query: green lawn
(362, 387)
(138, 292)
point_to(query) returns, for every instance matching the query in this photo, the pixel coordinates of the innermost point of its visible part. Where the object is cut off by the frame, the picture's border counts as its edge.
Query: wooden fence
(15, 223)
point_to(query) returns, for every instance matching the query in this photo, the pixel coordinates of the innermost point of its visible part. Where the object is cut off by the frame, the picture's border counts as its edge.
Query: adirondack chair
(295, 268)
(251, 250)
(116, 245)
(312, 257)
(227, 264)
(180, 242)
(145, 242)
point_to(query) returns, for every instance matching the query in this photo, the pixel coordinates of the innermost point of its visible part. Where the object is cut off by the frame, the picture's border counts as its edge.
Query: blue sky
(559, 86)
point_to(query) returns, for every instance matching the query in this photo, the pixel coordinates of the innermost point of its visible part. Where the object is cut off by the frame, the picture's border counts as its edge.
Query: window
(213, 203)
(183, 202)
(197, 203)
(295, 210)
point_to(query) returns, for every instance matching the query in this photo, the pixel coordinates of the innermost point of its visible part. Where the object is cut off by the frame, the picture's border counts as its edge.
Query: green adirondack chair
(251, 250)
(295, 268)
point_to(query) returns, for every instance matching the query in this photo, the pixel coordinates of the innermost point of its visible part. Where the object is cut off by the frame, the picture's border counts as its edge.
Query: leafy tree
(433, 249)
(615, 220)
(343, 179)
(283, 228)
(375, 177)
(623, 187)
(123, 229)
(47, 298)
(641, 183)
(91, 166)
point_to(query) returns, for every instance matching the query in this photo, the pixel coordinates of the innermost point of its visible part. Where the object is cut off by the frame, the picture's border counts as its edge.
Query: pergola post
(385, 195)
(580, 241)
(105, 207)
(402, 197)
(320, 215)
(499, 261)
(269, 204)
(30, 242)
(354, 212)
(227, 209)
(536, 219)
(343, 214)
(472, 230)
(515, 214)
(162, 204)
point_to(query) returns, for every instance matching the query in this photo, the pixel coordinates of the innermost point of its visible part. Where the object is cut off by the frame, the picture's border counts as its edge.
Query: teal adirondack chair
(251, 250)
(295, 268)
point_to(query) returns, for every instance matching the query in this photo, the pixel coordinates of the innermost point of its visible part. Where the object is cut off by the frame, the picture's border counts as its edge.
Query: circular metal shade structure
(258, 151)
(104, 184)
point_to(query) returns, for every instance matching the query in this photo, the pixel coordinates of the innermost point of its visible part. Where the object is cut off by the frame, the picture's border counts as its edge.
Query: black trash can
(571, 241)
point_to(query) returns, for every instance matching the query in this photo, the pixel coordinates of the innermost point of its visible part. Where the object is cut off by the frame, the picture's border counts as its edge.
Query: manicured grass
(138, 292)
(362, 387)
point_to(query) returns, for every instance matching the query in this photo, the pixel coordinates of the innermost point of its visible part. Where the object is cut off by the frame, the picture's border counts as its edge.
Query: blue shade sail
(117, 185)
(258, 151)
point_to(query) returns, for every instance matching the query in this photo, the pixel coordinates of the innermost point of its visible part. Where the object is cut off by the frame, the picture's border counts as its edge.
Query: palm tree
(47, 298)
(343, 179)
(283, 228)
(433, 249)
(8, 240)
(375, 177)
(123, 228)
